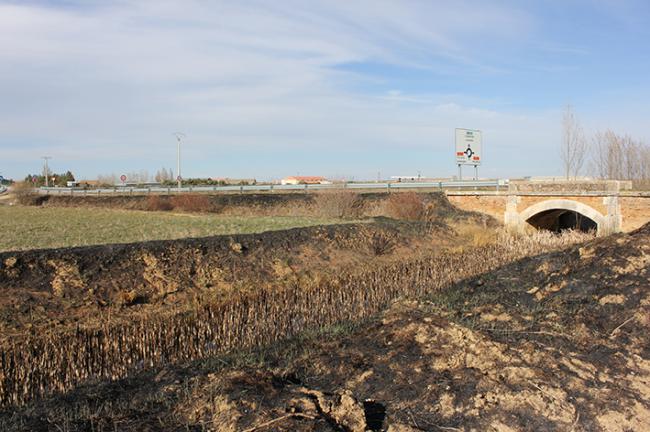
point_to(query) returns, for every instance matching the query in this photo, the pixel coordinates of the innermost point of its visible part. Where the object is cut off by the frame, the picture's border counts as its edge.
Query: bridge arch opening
(561, 214)
(558, 220)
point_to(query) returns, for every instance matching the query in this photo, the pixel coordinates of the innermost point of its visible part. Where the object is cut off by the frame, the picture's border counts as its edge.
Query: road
(272, 188)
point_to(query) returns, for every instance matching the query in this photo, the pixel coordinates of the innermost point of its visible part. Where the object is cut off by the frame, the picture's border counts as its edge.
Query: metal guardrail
(122, 190)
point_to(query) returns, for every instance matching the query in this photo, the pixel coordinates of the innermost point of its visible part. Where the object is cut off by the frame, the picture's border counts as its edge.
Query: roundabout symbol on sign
(469, 152)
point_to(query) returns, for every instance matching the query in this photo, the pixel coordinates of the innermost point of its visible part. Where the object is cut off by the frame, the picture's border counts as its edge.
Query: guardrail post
(241, 189)
(271, 188)
(306, 187)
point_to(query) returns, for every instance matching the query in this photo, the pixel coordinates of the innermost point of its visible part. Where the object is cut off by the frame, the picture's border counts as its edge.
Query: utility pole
(179, 136)
(47, 170)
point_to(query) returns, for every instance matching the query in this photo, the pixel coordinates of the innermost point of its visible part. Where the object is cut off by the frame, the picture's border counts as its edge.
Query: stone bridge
(604, 206)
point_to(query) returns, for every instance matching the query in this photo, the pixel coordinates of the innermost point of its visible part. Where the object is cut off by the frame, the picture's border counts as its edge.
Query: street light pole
(47, 170)
(179, 136)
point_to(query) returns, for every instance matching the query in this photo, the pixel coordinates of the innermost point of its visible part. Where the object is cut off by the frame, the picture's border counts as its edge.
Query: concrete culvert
(558, 220)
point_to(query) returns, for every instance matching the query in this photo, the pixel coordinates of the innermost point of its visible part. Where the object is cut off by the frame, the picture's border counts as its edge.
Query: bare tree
(606, 154)
(574, 146)
(163, 175)
(107, 179)
(620, 157)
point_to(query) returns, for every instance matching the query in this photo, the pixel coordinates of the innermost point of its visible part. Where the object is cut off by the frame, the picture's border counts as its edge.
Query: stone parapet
(568, 186)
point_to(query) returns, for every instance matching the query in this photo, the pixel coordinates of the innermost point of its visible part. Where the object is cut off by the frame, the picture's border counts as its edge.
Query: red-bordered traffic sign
(123, 178)
(179, 178)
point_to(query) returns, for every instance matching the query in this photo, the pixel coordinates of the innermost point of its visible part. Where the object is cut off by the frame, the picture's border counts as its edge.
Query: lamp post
(47, 170)
(179, 136)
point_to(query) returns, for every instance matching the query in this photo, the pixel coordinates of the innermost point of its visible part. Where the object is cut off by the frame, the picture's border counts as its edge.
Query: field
(423, 318)
(29, 227)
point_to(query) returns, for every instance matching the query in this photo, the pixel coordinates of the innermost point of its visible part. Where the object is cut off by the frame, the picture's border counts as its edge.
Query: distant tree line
(606, 155)
(54, 179)
(164, 176)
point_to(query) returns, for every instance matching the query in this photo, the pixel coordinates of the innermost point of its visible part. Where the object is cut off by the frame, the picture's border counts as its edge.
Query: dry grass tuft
(192, 203)
(158, 203)
(26, 194)
(405, 206)
(340, 204)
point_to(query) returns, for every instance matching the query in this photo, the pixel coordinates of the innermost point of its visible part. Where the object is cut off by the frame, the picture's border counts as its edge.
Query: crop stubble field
(27, 227)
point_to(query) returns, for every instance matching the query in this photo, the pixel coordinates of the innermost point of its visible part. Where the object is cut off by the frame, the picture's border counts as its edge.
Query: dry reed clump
(158, 203)
(36, 365)
(543, 238)
(192, 203)
(340, 204)
(477, 235)
(406, 206)
(26, 194)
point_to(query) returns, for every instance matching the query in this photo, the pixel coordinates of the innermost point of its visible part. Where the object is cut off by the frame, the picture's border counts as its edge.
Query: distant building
(295, 180)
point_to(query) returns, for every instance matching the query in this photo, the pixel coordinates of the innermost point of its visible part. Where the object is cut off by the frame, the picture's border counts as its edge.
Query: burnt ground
(251, 203)
(553, 342)
(52, 289)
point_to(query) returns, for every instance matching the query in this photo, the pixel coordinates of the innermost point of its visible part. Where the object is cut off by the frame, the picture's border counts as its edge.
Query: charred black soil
(556, 341)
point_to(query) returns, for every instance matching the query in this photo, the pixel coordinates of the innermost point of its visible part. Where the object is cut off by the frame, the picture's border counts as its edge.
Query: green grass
(43, 227)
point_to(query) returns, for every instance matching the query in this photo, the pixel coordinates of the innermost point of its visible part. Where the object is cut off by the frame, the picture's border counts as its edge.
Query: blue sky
(335, 88)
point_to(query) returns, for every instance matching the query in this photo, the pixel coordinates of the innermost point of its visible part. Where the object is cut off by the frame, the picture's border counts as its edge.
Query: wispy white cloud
(108, 81)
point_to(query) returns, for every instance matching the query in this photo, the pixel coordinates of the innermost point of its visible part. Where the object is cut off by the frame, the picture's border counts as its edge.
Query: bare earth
(554, 342)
